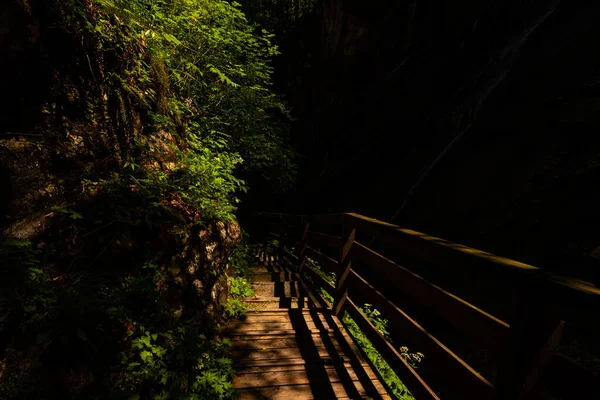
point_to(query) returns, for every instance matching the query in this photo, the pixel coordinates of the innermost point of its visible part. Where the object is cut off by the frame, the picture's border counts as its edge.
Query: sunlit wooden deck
(286, 350)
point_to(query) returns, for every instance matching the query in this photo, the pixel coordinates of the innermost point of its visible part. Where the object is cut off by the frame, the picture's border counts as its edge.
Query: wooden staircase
(289, 347)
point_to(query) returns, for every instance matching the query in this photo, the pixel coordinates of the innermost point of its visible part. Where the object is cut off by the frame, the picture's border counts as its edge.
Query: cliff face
(472, 121)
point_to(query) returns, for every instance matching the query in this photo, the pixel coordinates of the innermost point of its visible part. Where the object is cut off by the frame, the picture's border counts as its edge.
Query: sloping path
(291, 348)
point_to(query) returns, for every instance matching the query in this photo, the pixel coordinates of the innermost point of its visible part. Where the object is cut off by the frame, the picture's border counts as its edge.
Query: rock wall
(472, 121)
(201, 270)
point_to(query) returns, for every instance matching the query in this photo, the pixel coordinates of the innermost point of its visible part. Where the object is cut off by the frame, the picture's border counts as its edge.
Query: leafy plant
(242, 257)
(236, 308)
(388, 374)
(240, 288)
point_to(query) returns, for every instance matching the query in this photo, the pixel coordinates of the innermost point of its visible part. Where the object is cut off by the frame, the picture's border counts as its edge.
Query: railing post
(345, 263)
(534, 337)
(281, 237)
(303, 245)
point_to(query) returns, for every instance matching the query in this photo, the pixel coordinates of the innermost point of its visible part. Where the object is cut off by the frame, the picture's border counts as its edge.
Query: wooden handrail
(478, 324)
(528, 342)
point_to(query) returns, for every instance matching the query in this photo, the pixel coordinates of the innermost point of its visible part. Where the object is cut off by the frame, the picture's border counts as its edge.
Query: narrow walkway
(290, 348)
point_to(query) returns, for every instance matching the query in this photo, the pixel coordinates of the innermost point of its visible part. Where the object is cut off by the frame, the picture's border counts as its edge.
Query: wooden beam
(479, 325)
(439, 252)
(542, 359)
(303, 247)
(316, 299)
(327, 263)
(534, 337)
(345, 264)
(328, 287)
(317, 239)
(448, 365)
(415, 384)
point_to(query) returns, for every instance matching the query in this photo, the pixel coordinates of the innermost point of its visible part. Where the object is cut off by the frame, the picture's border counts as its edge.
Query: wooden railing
(526, 344)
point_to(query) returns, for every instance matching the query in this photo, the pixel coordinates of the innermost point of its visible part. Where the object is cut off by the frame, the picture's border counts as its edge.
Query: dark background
(473, 121)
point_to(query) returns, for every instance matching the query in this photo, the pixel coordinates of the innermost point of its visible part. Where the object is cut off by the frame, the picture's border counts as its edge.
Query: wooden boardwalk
(285, 349)
(490, 327)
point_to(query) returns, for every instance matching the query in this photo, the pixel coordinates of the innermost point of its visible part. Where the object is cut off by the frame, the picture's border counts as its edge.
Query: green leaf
(171, 38)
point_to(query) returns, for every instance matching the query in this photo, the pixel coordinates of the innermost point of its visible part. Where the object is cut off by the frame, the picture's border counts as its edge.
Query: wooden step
(284, 362)
(284, 341)
(276, 303)
(243, 326)
(289, 312)
(284, 375)
(276, 289)
(296, 316)
(305, 352)
(269, 334)
(300, 392)
(265, 269)
(271, 277)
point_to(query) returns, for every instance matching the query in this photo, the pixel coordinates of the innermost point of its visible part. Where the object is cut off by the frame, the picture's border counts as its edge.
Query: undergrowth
(241, 260)
(127, 342)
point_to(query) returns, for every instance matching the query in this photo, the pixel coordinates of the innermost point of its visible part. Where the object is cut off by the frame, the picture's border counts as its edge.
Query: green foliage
(235, 308)
(158, 357)
(376, 319)
(67, 212)
(217, 70)
(242, 258)
(196, 74)
(82, 315)
(240, 288)
(398, 388)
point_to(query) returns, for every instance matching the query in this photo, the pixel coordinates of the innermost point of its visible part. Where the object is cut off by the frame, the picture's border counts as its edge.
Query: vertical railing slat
(345, 264)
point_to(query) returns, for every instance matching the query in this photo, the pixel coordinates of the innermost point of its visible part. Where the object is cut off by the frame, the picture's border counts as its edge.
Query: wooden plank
(303, 246)
(274, 378)
(326, 263)
(244, 326)
(271, 277)
(290, 361)
(345, 264)
(329, 288)
(478, 324)
(315, 301)
(269, 334)
(279, 342)
(435, 250)
(450, 366)
(298, 392)
(318, 239)
(542, 359)
(534, 336)
(242, 356)
(415, 384)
